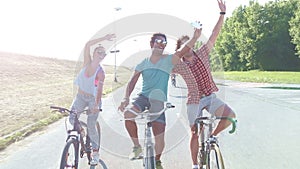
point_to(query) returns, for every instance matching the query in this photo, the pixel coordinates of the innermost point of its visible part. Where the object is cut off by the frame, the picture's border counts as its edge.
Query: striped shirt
(197, 75)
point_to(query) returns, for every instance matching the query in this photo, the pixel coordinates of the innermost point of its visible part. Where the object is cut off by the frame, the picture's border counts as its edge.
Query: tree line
(264, 37)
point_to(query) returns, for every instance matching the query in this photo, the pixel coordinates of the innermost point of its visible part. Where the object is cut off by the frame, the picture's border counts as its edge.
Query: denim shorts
(141, 102)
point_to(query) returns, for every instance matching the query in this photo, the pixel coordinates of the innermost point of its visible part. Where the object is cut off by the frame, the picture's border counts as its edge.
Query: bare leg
(131, 126)
(226, 111)
(194, 145)
(132, 131)
(159, 133)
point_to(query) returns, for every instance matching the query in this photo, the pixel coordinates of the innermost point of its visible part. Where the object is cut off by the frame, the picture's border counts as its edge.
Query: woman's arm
(98, 98)
(87, 48)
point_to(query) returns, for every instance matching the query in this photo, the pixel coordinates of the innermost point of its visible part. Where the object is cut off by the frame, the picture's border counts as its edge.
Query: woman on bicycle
(90, 85)
(195, 70)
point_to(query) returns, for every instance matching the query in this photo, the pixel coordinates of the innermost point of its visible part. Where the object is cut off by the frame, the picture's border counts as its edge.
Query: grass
(261, 76)
(26, 131)
(29, 85)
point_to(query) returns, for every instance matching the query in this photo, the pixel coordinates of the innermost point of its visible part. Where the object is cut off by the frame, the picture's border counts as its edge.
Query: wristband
(222, 13)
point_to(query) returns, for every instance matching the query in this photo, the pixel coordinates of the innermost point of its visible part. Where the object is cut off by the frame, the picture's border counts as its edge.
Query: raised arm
(87, 48)
(179, 54)
(213, 37)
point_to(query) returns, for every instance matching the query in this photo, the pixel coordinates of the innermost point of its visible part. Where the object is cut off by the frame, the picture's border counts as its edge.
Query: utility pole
(115, 51)
(115, 70)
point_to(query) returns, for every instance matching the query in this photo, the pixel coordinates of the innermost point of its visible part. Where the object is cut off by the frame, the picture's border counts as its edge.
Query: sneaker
(136, 153)
(195, 167)
(95, 158)
(158, 164)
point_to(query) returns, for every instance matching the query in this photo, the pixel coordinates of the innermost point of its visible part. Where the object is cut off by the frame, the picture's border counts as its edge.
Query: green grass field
(261, 76)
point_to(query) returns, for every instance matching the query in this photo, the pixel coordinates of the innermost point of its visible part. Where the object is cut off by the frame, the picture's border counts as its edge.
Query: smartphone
(196, 24)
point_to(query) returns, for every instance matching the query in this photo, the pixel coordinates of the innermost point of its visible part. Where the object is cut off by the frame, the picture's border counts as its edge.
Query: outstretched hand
(197, 33)
(222, 5)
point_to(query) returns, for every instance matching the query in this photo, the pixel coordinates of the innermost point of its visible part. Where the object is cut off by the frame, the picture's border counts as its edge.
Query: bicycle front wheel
(69, 158)
(214, 158)
(149, 161)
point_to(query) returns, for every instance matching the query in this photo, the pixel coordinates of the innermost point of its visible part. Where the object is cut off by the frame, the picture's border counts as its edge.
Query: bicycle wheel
(86, 143)
(101, 165)
(201, 158)
(149, 161)
(214, 158)
(86, 138)
(69, 158)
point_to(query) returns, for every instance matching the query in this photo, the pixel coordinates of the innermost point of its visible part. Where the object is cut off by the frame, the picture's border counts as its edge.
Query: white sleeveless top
(87, 84)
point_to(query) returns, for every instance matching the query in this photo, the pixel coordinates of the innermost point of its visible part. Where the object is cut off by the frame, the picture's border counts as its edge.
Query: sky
(60, 28)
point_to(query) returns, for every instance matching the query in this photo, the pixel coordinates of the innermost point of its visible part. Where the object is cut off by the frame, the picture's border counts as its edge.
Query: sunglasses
(159, 41)
(102, 53)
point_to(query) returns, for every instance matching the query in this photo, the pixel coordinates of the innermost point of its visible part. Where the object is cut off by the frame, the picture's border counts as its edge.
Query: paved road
(267, 136)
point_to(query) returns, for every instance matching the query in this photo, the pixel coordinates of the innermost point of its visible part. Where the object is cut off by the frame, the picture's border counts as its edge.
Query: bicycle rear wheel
(86, 136)
(87, 147)
(69, 158)
(201, 158)
(101, 165)
(214, 158)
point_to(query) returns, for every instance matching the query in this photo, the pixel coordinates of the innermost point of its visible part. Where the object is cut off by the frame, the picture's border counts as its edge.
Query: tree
(258, 37)
(294, 28)
(275, 50)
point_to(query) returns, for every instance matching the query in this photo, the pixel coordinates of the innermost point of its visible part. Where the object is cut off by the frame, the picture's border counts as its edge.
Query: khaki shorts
(209, 103)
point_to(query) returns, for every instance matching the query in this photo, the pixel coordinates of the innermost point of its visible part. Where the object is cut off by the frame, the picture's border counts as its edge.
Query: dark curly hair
(181, 41)
(156, 35)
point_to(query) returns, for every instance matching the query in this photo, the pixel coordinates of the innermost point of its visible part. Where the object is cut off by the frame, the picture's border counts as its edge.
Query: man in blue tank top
(155, 71)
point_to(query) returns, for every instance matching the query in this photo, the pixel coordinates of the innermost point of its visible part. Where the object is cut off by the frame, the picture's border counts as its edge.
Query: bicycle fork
(202, 147)
(149, 161)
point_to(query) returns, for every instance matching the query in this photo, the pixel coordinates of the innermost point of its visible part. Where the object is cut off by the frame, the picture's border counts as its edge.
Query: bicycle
(148, 157)
(77, 138)
(209, 154)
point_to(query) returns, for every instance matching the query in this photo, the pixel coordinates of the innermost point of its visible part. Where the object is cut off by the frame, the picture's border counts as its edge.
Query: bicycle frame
(208, 145)
(149, 145)
(148, 159)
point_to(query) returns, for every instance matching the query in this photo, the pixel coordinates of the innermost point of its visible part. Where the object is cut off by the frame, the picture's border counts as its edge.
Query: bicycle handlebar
(211, 119)
(148, 113)
(61, 109)
(64, 110)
